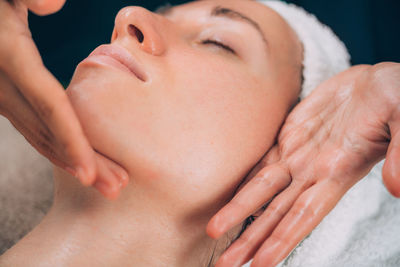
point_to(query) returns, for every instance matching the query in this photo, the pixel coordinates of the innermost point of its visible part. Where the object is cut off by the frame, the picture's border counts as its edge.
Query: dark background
(369, 28)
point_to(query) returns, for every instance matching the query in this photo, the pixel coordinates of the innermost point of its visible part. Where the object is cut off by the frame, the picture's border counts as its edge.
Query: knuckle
(301, 210)
(45, 110)
(278, 239)
(269, 183)
(273, 177)
(264, 173)
(262, 177)
(275, 210)
(385, 77)
(302, 181)
(66, 146)
(44, 135)
(43, 145)
(340, 181)
(238, 204)
(264, 181)
(244, 241)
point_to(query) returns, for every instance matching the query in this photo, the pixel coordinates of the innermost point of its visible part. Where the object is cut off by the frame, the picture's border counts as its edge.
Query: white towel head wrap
(324, 54)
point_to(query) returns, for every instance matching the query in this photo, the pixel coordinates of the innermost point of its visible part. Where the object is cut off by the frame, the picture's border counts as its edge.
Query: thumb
(391, 168)
(44, 7)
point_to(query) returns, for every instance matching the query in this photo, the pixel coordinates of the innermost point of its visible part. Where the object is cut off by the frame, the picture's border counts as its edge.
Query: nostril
(134, 31)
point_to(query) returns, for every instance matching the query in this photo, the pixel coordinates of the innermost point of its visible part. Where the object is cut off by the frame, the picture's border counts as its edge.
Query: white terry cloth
(362, 230)
(324, 54)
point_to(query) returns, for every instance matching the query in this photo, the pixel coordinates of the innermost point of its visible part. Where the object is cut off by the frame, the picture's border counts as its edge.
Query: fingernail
(124, 180)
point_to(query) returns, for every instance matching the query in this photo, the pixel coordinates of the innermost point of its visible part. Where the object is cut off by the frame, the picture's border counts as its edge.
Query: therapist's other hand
(36, 104)
(328, 143)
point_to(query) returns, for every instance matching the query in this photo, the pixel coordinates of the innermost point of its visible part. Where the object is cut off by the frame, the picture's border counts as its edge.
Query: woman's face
(212, 82)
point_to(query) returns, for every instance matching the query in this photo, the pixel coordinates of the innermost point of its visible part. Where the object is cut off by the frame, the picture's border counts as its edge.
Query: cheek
(190, 137)
(106, 102)
(227, 102)
(231, 121)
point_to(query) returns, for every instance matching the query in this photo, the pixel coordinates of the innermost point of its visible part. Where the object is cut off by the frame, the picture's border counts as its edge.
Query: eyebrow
(235, 15)
(222, 12)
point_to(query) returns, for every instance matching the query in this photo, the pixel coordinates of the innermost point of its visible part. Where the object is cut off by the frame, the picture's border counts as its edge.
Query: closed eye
(219, 44)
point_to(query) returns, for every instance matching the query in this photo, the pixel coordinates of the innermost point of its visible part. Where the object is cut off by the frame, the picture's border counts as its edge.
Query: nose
(139, 27)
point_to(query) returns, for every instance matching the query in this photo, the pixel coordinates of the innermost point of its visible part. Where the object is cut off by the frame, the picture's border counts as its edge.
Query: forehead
(265, 17)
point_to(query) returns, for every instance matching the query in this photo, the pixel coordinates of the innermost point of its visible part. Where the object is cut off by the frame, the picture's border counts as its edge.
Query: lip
(117, 57)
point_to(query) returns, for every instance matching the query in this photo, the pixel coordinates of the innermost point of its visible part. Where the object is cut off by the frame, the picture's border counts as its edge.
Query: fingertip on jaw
(109, 191)
(87, 176)
(123, 177)
(114, 196)
(124, 181)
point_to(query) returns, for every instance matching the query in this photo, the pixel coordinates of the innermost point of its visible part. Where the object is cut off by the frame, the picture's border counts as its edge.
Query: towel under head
(324, 54)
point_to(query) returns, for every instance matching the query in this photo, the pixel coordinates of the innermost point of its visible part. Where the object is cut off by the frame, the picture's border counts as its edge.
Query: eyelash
(219, 44)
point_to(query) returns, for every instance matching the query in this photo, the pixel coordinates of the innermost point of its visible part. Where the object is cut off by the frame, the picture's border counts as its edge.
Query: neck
(84, 229)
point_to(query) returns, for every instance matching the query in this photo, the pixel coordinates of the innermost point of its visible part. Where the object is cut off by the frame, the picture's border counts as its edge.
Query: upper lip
(123, 56)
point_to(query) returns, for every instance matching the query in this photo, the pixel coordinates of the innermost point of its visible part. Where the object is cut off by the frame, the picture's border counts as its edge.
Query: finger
(272, 156)
(391, 167)
(16, 106)
(9, 9)
(243, 249)
(52, 105)
(43, 146)
(43, 7)
(25, 120)
(259, 190)
(113, 168)
(107, 182)
(307, 212)
(23, 117)
(110, 173)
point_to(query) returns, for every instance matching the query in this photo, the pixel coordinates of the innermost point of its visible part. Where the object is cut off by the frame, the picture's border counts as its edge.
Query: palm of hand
(328, 143)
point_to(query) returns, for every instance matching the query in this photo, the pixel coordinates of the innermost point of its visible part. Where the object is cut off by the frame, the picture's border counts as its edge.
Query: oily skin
(186, 136)
(235, 101)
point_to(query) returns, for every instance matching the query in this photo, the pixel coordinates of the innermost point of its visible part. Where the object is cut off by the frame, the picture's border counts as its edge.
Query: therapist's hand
(36, 104)
(328, 143)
